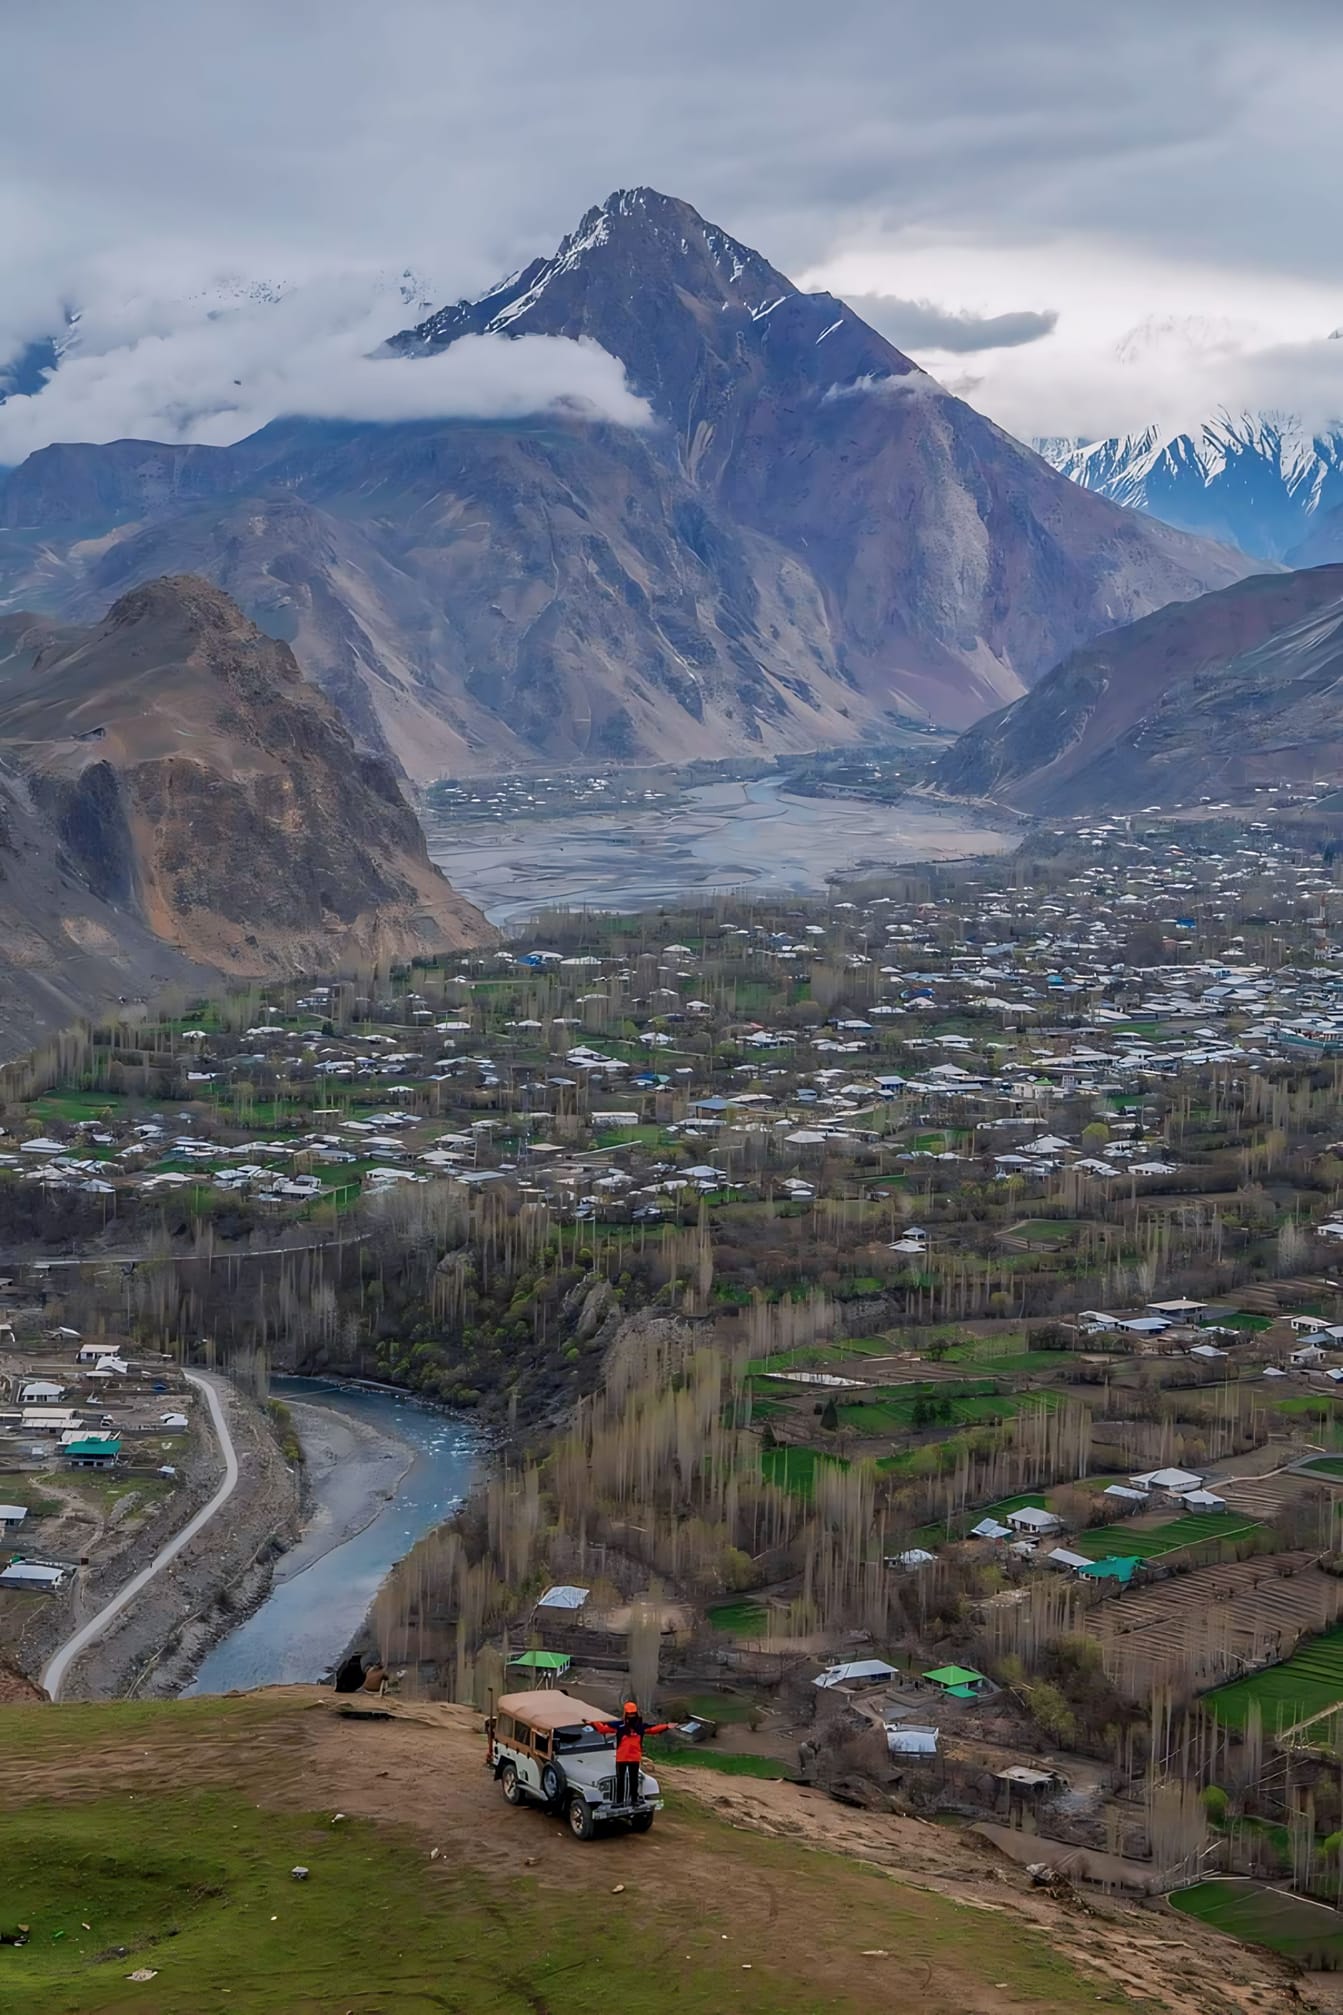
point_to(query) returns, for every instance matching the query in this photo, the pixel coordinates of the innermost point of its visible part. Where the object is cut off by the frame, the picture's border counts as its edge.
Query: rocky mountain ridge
(812, 539)
(1201, 700)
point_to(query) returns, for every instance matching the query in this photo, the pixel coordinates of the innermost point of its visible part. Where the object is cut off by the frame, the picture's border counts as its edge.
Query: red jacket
(629, 1733)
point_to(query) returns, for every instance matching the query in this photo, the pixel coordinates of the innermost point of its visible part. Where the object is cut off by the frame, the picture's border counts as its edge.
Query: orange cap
(631, 1707)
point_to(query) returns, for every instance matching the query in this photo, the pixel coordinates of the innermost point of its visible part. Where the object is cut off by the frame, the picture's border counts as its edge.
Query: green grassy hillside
(162, 1838)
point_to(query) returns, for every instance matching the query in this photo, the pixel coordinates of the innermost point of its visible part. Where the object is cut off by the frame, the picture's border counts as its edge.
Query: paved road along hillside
(58, 1665)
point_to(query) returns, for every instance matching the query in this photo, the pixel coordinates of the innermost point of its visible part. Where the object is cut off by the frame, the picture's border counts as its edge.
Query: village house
(32, 1576)
(1033, 1523)
(1169, 1482)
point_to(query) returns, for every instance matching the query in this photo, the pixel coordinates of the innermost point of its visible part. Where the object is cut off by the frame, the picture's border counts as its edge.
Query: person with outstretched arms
(630, 1733)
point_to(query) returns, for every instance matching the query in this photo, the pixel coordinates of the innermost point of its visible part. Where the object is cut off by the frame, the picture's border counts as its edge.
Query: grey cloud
(923, 325)
(150, 146)
(348, 129)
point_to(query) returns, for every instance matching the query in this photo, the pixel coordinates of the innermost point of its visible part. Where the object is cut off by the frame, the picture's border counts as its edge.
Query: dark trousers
(627, 1783)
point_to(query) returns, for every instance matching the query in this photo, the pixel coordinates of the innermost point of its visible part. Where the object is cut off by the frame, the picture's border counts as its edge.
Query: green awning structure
(543, 1661)
(1118, 1568)
(962, 1693)
(958, 1679)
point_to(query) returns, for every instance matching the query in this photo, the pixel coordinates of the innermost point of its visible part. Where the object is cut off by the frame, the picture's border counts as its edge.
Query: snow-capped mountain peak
(1255, 480)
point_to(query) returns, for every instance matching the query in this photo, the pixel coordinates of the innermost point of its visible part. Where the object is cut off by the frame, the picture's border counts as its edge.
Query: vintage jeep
(543, 1751)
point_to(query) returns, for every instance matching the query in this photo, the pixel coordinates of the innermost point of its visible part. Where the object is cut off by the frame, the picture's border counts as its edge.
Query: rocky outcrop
(180, 797)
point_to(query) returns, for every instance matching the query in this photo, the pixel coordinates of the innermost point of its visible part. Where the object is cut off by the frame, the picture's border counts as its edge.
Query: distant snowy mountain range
(1262, 482)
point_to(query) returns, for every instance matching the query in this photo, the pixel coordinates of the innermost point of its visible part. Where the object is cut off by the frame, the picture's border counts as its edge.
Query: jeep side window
(542, 1741)
(504, 1730)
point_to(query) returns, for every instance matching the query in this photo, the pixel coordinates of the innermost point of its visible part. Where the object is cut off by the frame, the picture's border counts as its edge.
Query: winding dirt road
(58, 1665)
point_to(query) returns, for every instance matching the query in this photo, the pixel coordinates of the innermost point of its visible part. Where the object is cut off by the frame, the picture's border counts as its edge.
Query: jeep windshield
(579, 1740)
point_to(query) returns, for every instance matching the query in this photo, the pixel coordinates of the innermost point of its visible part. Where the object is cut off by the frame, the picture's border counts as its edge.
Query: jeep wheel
(554, 1784)
(641, 1822)
(509, 1785)
(581, 1822)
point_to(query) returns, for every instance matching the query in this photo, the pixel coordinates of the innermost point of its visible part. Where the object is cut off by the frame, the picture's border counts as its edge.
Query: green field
(743, 1618)
(74, 1106)
(1196, 1528)
(795, 1468)
(730, 1763)
(1304, 1931)
(1048, 1231)
(817, 1356)
(25, 1488)
(1309, 1682)
(893, 1410)
(1008, 1354)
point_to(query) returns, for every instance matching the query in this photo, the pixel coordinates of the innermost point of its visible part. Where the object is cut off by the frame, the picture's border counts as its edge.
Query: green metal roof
(955, 1675)
(1118, 1567)
(93, 1444)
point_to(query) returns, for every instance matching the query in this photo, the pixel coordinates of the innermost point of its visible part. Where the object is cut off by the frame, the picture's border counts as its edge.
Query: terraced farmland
(1196, 1528)
(1211, 1622)
(1309, 1682)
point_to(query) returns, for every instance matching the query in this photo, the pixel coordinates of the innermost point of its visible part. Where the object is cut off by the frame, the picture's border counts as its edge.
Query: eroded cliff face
(180, 785)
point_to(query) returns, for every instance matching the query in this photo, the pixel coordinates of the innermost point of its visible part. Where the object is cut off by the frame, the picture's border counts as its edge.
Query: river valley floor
(747, 836)
(382, 1469)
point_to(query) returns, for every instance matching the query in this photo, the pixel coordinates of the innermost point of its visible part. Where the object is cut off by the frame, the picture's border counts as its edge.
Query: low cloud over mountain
(223, 363)
(923, 325)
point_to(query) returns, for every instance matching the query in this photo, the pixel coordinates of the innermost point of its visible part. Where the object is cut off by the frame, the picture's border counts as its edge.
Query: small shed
(549, 1666)
(564, 1596)
(904, 1741)
(857, 1672)
(13, 1514)
(989, 1528)
(1023, 1783)
(958, 1682)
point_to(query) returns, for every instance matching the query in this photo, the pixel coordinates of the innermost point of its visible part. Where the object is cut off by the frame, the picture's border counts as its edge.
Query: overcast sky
(1081, 216)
